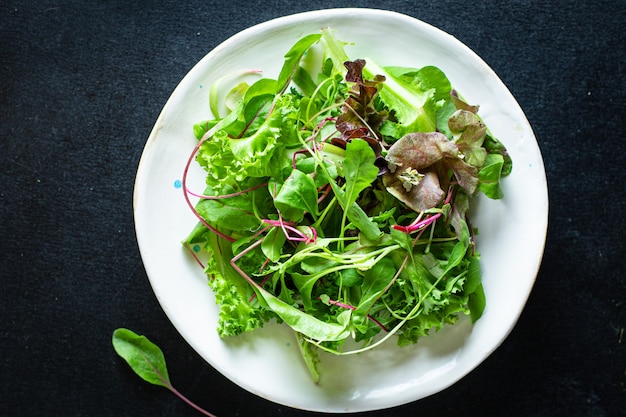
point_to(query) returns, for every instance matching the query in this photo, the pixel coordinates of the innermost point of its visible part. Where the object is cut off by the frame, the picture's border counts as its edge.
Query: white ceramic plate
(266, 362)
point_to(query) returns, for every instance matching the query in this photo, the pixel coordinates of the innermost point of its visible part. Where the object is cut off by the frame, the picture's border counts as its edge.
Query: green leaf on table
(148, 361)
(143, 356)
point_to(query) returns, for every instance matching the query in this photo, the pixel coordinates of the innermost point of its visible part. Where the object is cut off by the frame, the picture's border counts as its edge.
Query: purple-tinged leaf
(419, 164)
(359, 117)
(469, 134)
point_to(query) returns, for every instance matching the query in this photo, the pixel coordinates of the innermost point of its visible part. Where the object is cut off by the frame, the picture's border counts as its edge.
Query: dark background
(82, 83)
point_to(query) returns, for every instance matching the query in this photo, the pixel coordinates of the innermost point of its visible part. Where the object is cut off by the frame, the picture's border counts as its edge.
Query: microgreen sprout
(292, 233)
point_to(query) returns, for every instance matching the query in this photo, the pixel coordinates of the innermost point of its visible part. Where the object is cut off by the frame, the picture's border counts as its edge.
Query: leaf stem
(351, 307)
(185, 189)
(189, 402)
(193, 254)
(236, 194)
(168, 384)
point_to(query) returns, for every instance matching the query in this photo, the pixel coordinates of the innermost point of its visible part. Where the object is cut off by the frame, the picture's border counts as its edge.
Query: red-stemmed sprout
(351, 307)
(231, 195)
(185, 189)
(420, 223)
(193, 254)
(297, 235)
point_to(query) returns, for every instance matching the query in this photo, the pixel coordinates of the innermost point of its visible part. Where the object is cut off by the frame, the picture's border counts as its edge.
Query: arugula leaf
(292, 60)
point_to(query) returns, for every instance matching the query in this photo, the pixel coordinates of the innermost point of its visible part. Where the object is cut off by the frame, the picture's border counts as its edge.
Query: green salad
(336, 201)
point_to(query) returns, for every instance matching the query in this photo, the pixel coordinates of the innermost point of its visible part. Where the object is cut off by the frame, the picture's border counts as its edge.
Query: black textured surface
(81, 84)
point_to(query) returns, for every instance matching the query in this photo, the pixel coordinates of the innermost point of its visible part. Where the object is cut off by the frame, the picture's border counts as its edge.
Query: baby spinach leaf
(314, 264)
(310, 166)
(297, 195)
(235, 213)
(350, 278)
(361, 221)
(477, 303)
(261, 88)
(494, 146)
(473, 277)
(359, 173)
(359, 169)
(456, 256)
(304, 283)
(375, 280)
(273, 244)
(489, 176)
